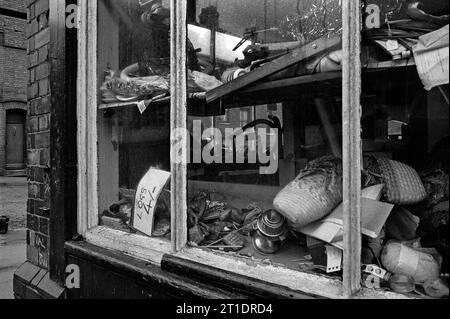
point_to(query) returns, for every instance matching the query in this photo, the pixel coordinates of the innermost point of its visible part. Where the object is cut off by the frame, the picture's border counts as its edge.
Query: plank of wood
(299, 80)
(325, 76)
(293, 57)
(390, 64)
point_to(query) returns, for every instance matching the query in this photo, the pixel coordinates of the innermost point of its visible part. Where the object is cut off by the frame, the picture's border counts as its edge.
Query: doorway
(15, 140)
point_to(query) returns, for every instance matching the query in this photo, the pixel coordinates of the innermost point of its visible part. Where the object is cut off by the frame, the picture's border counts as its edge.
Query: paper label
(334, 259)
(141, 106)
(147, 194)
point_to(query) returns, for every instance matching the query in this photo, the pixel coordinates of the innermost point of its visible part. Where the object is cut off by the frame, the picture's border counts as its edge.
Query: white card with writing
(147, 194)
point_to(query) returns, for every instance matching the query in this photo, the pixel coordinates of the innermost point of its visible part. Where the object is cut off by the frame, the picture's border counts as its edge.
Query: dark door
(15, 140)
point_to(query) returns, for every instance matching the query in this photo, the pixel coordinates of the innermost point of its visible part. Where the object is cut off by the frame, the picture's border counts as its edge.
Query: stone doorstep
(13, 181)
(15, 173)
(33, 282)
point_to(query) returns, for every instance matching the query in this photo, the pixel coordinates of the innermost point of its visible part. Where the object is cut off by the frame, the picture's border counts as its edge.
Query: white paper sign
(147, 194)
(141, 106)
(334, 259)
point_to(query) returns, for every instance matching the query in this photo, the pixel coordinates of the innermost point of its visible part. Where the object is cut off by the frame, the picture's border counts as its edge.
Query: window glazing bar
(178, 119)
(352, 147)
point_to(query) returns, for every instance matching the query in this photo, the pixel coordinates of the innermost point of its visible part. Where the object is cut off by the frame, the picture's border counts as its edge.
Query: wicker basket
(313, 194)
(403, 183)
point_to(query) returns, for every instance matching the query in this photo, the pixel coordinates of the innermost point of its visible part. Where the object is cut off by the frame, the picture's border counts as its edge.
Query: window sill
(134, 245)
(153, 250)
(306, 283)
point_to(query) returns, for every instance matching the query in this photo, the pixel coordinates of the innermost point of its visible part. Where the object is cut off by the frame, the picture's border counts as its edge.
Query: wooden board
(295, 56)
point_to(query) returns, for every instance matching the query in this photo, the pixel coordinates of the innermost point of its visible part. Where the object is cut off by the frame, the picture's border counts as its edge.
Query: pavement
(13, 204)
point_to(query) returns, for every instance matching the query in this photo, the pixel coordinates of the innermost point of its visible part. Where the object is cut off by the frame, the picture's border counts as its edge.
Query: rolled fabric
(400, 259)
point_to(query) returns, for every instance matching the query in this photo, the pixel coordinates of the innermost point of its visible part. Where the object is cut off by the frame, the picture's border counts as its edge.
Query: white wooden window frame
(151, 249)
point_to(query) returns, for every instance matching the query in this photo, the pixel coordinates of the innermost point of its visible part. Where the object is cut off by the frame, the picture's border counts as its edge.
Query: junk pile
(149, 77)
(394, 30)
(404, 220)
(214, 224)
(126, 89)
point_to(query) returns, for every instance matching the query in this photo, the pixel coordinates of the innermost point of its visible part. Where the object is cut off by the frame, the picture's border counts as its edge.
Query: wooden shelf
(164, 100)
(107, 106)
(389, 64)
(320, 77)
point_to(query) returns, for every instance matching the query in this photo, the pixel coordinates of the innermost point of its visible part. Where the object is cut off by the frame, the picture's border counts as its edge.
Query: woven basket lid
(403, 183)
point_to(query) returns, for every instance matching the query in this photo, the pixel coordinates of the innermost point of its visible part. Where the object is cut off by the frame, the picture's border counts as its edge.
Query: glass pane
(267, 165)
(405, 129)
(134, 116)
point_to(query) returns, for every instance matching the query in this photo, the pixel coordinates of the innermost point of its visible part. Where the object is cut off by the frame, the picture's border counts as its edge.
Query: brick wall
(38, 133)
(13, 72)
(2, 139)
(42, 275)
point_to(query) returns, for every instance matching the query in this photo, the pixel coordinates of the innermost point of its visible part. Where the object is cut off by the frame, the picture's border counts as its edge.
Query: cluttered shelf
(278, 83)
(227, 75)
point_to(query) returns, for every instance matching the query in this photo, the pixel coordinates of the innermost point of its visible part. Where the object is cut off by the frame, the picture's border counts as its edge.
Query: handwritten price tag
(147, 194)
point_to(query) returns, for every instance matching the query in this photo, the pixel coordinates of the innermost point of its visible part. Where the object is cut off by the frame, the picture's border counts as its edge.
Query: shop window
(404, 116)
(133, 68)
(245, 176)
(253, 147)
(240, 194)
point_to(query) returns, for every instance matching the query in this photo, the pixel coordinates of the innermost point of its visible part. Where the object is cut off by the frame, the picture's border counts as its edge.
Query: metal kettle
(270, 234)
